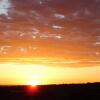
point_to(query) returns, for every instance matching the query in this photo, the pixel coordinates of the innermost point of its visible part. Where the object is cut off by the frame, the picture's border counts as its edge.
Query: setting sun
(34, 83)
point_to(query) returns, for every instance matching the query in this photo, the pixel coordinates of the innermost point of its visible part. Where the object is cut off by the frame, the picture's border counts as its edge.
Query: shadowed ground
(90, 91)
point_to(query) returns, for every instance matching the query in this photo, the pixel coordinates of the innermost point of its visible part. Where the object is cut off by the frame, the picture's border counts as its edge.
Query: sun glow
(34, 83)
(33, 75)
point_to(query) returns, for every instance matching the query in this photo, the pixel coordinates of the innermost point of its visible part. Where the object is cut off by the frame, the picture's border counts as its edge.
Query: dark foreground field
(90, 91)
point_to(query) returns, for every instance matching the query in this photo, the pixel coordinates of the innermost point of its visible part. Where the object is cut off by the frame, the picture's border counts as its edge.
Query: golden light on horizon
(32, 74)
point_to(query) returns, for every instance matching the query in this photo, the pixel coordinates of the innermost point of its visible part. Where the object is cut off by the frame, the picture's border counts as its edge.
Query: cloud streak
(51, 62)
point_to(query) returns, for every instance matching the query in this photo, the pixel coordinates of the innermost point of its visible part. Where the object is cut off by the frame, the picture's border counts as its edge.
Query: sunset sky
(49, 41)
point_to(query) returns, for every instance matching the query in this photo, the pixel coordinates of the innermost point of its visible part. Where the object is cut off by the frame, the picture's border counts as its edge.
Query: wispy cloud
(55, 62)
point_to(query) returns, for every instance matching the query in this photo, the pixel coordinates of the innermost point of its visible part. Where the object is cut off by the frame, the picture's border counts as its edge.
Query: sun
(34, 83)
(32, 87)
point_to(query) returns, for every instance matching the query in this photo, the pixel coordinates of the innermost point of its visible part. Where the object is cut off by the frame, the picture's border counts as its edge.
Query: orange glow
(34, 75)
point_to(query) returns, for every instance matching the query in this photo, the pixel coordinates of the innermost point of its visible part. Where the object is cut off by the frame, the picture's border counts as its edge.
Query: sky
(49, 38)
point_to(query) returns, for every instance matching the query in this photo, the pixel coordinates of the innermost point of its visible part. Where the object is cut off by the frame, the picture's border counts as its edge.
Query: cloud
(59, 16)
(53, 62)
(4, 7)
